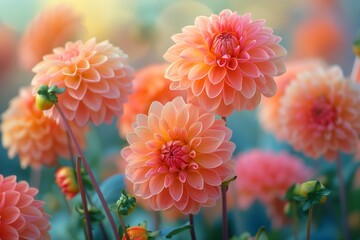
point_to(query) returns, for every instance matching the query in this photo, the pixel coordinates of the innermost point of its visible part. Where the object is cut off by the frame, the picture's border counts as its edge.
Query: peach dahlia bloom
(37, 139)
(269, 107)
(96, 76)
(226, 62)
(178, 156)
(149, 85)
(320, 113)
(266, 176)
(21, 216)
(51, 28)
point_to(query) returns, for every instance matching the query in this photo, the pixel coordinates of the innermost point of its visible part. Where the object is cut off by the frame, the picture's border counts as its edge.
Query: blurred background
(142, 29)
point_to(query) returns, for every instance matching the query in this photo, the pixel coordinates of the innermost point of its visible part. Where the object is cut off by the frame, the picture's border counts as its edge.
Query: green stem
(83, 199)
(91, 175)
(295, 219)
(192, 229)
(122, 223)
(343, 207)
(309, 223)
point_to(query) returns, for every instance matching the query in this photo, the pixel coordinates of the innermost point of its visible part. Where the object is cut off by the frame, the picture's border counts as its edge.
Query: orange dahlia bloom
(96, 76)
(51, 28)
(320, 113)
(226, 62)
(178, 156)
(37, 139)
(149, 85)
(320, 37)
(267, 176)
(269, 107)
(22, 217)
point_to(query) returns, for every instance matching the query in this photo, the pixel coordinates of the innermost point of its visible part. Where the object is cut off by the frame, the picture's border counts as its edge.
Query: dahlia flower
(51, 28)
(269, 107)
(266, 176)
(320, 37)
(37, 139)
(22, 217)
(320, 113)
(149, 85)
(96, 76)
(178, 156)
(226, 62)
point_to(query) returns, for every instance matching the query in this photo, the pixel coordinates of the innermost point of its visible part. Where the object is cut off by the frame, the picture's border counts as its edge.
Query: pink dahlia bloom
(22, 217)
(7, 48)
(266, 176)
(96, 76)
(37, 139)
(225, 62)
(178, 156)
(51, 28)
(269, 107)
(149, 85)
(320, 113)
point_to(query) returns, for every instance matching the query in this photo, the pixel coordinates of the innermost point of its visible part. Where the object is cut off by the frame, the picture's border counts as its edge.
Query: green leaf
(261, 234)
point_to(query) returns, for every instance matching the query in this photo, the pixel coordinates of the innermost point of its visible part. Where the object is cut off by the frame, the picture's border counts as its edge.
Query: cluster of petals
(149, 85)
(52, 27)
(96, 76)
(171, 214)
(269, 107)
(226, 62)
(320, 113)
(37, 139)
(178, 155)
(266, 176)
(21, 215)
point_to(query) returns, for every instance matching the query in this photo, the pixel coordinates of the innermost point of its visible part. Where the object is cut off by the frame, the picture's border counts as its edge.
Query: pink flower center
(176, 155)
(68, 54)
(323, 113)
(225, 45)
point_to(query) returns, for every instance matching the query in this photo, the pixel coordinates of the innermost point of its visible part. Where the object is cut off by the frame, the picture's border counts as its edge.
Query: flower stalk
(192, 227)
(309, 223)
(83, 199)
(89, 171)
(343, 207)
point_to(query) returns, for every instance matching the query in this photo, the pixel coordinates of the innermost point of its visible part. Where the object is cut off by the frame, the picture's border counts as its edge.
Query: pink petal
(9, 215)
(208, 160)
(176, 190)
(216, 74)
(91, 75)
(195, 180)
(156, 183)
(198, 71)
(198, 195)
(249, 88)
(210, 144)
(73, 82)
(214, 90)
(210, 177)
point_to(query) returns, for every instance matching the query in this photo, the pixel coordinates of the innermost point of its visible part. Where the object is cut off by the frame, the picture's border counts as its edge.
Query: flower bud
(42, 102)
(314, 188)
(66, 179)
(137, 233)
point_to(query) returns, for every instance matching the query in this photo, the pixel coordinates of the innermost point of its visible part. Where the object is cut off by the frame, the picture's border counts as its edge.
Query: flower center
(176, 155)
(68, 54)
(225, 45)
(323, 113)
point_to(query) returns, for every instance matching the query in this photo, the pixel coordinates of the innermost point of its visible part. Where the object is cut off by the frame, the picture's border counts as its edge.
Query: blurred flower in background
(269, 112)
(37, 139)
(266, 176)
(52, 27)
(7, 49)
(149, 85)
(320, 113)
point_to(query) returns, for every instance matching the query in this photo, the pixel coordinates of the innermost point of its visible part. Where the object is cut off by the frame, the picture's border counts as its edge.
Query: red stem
(91, 175)
(192, 229)
(83, 198)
